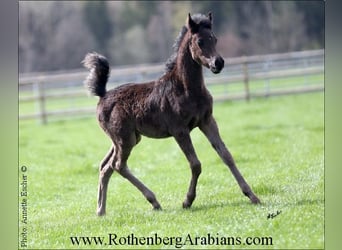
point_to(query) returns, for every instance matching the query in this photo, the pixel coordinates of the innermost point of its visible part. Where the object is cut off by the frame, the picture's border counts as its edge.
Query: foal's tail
(99, 72)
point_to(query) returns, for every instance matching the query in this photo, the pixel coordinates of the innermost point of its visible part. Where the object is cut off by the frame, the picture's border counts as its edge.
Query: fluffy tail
(99, 72)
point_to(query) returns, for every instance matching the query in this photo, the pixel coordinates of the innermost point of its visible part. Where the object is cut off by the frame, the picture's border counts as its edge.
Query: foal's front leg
(184, 141)
(210, 129)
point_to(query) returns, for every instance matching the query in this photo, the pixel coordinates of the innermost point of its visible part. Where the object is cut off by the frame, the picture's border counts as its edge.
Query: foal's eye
(200, 42)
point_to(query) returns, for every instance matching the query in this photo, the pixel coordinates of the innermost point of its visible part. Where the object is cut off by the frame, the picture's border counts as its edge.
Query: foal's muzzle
(216, 64)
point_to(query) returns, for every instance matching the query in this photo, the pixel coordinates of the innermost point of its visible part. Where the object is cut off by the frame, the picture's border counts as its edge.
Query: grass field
(278, 144)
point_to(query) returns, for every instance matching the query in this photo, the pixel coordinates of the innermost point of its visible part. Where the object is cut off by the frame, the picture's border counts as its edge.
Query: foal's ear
(210, 16)
(192, 25)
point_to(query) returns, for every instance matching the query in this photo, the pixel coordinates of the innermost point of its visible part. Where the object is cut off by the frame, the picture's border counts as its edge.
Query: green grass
(278, 144)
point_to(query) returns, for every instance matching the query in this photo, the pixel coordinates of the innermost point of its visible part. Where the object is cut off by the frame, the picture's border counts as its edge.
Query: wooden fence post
(267, 86)
(246, 79)
(41, 103)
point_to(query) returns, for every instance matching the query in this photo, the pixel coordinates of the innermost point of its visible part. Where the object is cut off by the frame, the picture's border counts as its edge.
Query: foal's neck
(189, 71)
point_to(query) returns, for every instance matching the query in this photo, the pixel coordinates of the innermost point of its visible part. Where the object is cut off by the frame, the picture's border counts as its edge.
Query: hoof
(157, 208)
(186, 205)
(100, 213)
(255, 200)
(156, 205)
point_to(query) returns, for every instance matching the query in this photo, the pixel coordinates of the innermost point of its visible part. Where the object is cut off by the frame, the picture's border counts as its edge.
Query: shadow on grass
(246, 204)
(225, 204)
(269, 195)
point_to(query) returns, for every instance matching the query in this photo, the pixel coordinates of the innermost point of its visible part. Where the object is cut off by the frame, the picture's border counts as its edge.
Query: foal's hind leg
(210, 129)
(123, 150)
(106, 172)
(149, 195)
(107, 157)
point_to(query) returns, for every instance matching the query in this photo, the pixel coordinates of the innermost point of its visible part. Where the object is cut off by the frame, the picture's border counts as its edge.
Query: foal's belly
(161, 128)
(152, 125)
(166, 120)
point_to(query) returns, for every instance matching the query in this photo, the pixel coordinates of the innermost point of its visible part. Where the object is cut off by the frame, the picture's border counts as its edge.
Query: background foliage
(55, 35)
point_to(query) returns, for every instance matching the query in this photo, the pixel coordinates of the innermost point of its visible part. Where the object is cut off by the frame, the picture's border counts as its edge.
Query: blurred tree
(140, 10)
(47, 38)
(180, 10)
(130, 47)
(160, 35)
(56, 35)
(222, 12)
(288, 28)
(269, 26)
(313, 12)
(97, 19)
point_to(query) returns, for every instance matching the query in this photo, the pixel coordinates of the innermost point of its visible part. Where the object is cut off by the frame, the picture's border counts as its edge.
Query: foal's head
(203, 43)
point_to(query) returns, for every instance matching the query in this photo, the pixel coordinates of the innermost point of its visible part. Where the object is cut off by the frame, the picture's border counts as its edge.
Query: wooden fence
(242, 78)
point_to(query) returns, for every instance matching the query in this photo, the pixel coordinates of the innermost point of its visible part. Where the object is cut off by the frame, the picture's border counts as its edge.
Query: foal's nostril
(219, 62)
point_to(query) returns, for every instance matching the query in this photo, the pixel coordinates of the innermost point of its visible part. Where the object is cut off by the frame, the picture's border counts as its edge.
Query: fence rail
(252, 76)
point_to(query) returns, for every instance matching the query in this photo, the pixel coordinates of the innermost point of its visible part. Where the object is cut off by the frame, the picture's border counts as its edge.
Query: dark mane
(171, 62)
(200, 19)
